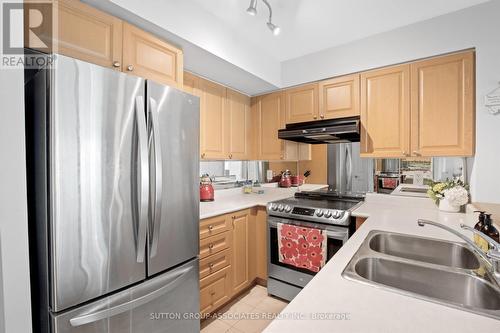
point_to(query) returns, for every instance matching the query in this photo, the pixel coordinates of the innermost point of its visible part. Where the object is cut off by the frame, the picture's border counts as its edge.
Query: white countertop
(372, 309)
(231, 200)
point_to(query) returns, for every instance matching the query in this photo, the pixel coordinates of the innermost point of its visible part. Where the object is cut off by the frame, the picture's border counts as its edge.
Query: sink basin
(425, 249)
(442, 272)
(459, 288)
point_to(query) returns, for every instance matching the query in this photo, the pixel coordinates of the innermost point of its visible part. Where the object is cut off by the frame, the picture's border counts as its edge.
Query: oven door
(336, 237)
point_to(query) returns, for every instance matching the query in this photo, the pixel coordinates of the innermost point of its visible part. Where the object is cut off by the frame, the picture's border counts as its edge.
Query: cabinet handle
(211, 246)
(203, 155)
(230, 155)
(315, 117)
(212, 293)
(210, 227)
(322, 116)
(416, 153)
(211, 266)
(282, 157)
(405, 153)
(116, 64)
(130, 68)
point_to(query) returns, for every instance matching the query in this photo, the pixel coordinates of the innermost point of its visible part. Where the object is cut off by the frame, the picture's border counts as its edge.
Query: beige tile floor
(250, 313)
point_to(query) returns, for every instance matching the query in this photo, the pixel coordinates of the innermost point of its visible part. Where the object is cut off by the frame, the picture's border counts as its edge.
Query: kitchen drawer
(214, 244)
(214, 225)
(214, 263)
(215, 290)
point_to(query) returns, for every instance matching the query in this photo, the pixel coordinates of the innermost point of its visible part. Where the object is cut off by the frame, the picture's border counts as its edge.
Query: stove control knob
(281, 207)
(319, 213)
(273, 206)
(328, 214)
(338, 214)
(288, 209)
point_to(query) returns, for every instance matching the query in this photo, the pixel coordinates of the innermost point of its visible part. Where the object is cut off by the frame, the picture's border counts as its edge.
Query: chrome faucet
(492, 257)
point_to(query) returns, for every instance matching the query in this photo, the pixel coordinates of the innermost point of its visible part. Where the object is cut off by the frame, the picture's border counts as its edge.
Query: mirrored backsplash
(419, 171)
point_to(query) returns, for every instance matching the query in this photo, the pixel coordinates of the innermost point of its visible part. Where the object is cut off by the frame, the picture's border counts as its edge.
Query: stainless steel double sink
(439, 271)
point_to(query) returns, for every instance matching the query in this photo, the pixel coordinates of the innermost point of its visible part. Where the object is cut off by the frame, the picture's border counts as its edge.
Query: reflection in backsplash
(387, 173)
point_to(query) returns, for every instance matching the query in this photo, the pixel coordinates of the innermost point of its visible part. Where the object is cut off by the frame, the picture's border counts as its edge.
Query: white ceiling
(224, 29)
(309, 26)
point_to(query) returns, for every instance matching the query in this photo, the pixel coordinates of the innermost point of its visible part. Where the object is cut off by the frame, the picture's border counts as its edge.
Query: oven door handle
(341, 235)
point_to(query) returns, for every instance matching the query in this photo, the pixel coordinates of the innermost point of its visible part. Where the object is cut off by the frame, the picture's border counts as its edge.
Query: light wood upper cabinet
(442, 106)
(270, 112)
(150, 57)
(339, 97)
(385, 112)
(302, 103)
(190, 84)
(213, 120)
(239, 125)
(88, 34)
(240, 260)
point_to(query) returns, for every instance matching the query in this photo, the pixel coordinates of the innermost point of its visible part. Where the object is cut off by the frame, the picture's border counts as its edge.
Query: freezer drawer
(166, 303)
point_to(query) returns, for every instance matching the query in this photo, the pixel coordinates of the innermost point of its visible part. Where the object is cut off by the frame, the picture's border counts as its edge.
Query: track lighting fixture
(252, 10)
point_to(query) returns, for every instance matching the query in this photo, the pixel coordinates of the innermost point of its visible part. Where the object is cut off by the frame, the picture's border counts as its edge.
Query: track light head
(274, 28)
(252, 9)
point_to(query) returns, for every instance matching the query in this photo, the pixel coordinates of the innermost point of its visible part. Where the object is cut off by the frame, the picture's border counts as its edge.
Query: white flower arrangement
(457, 195)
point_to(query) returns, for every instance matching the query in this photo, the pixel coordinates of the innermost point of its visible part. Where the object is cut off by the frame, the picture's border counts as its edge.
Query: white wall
(14, 272)
(477, 27)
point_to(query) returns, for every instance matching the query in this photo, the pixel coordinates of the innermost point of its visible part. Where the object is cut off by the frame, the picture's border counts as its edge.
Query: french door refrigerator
(113, 201)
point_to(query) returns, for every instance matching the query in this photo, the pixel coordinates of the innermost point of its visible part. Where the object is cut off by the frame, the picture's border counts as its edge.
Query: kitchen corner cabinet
(148, 56)
(339, 97)
(301, 103)
(238, 106)
(88, 34)
(240, 249)
(442, 106)
(214, 124)
(385, 112)
(269, 113)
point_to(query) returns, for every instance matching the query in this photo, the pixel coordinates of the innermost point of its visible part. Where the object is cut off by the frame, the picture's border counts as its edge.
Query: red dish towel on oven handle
(302, 247)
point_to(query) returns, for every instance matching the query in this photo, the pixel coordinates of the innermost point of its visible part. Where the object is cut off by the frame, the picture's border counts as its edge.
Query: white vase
(446, 206)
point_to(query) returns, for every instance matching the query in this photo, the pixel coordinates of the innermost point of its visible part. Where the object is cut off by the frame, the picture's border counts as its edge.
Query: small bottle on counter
(489, 229)
(479, 227)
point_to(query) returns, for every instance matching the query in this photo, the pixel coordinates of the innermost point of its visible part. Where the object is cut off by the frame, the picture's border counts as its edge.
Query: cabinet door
(302, 103)
(385, 112)
(88, 34)
(150, 57)
(270, 111)
(239, 125)
(213, 120)
(215, 290)
(339, 97)
(240, 260)
(443, 106)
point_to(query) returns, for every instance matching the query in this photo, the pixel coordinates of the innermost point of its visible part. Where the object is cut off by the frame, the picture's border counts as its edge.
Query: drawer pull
(210, 227)
(211, 246)
(212, 293)
(211, 266)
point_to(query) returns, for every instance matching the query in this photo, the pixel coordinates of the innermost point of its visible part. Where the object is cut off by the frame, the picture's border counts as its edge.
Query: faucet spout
(483, 255)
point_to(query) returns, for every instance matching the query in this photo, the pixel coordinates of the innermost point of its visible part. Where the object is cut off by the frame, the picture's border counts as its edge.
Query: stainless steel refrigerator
(113, 201)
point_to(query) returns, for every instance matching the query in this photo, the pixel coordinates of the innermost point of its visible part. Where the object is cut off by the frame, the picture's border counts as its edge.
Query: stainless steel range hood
(323, 131)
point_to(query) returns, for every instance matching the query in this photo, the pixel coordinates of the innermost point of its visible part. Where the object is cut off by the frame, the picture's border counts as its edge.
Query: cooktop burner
(317, 207)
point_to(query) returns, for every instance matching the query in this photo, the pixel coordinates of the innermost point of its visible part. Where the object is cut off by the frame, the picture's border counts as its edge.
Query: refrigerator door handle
(177, 276)
(155, 144)
(144, 178)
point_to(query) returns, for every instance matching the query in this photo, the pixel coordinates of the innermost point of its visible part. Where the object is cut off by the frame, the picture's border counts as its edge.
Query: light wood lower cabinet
(240, 260)
(442, 106)
(231, 260)
(385, 112)
(148, 56)
(88, 34)
(214, 225)
(215, 290)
